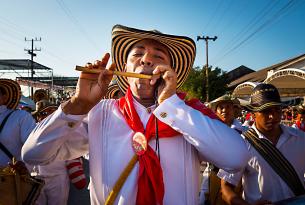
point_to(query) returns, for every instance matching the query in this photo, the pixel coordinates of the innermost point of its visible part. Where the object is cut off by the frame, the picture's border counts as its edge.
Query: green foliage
(195, 84)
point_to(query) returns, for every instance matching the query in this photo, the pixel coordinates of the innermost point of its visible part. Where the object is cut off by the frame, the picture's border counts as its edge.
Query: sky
(254, 33)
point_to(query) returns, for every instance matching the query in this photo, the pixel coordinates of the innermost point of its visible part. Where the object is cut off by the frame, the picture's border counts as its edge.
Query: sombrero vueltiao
(182, 50)
(112, 91)
(13, 90)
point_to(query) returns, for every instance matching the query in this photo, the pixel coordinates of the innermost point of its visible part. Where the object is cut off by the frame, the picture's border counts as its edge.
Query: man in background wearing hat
(300, 119)
(16, 125)
(276, 167)
(224, 109)
(133, 159)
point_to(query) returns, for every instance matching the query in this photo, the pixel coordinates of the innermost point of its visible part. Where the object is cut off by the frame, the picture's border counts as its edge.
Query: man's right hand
(91, 88)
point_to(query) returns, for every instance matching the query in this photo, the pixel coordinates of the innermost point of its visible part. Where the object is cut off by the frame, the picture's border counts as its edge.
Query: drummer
(263, 182)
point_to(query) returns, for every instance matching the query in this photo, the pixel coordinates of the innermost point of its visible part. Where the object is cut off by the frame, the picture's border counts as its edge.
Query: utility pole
(207, 38)
(31, 52)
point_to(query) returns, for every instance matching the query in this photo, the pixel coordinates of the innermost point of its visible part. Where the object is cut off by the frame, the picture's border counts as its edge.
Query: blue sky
(254, 33)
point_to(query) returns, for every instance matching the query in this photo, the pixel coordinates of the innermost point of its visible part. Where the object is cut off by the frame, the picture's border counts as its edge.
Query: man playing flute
(144, 147)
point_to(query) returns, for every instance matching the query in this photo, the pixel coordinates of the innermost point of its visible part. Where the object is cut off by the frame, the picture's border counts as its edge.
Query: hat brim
(262, 107)
(182, 50)
(13, 91)
(47, 107)
(213, 105)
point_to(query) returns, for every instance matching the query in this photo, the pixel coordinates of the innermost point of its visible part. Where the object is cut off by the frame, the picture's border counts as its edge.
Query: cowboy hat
(42, 105)
(182, 50)
(225, 98)
(12, 89)
(264, 96)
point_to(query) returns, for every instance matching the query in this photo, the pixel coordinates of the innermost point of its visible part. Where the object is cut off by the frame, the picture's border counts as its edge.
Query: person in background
(144, 146)
(18, 124)
(55, 174)
(210, 187)
(274, 172)
(300, 119)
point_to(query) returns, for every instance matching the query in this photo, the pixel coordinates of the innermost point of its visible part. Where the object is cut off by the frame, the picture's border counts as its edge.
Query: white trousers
(55, 191)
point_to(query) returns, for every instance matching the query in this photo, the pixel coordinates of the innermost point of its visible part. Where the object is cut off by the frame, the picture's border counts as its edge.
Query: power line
(261, 14)
(69, 14)
(277, 15)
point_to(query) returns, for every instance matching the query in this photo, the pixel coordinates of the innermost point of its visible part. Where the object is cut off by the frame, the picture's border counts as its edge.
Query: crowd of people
(145, 140)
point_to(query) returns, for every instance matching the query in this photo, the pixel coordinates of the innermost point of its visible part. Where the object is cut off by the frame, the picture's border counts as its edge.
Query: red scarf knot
(150, 178)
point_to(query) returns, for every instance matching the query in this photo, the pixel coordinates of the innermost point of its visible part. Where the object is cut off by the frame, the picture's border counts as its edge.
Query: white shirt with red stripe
(105, 133)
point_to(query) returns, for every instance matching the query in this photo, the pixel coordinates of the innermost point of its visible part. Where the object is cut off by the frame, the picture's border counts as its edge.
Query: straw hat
(182, 50)
(112, 91)
(13, 90)
(225, 98)
(42, 105)
(264, 96)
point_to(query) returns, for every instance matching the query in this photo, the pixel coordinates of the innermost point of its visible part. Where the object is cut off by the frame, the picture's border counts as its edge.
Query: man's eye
(137, 54)
(159, 57)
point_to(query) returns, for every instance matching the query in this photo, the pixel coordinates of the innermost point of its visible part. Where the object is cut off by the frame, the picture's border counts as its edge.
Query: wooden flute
(126, 74)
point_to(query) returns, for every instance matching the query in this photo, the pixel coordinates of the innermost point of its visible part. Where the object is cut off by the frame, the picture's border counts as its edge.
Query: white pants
(55, 191)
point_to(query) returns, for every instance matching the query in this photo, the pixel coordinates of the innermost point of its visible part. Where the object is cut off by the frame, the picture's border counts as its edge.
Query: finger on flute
(126, 74)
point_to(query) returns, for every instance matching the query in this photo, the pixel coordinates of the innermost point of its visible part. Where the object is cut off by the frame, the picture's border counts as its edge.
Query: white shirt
(108, 137)
(260, 181)
(15, 132)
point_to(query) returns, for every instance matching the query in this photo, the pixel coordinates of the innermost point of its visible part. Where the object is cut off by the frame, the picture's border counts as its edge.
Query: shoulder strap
(2, 147)
(276, 160)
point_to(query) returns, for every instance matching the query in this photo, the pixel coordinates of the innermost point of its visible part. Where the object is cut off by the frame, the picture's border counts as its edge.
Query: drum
(299, 200)
(16, 189)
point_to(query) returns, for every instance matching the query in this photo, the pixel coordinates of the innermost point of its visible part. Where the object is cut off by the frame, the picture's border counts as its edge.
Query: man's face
(268, 119)
(225, 111)
(143, 58)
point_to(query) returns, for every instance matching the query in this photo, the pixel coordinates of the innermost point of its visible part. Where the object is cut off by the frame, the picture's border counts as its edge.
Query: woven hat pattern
(264, 96)
(182, 50)
(13, 90)
(112, 91)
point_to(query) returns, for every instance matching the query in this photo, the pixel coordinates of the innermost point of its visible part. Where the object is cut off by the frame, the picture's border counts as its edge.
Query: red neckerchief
(300, 126)
(150, 179)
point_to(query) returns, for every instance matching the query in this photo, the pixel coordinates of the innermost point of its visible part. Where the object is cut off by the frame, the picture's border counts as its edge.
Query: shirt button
(71, 124)
(163, 114)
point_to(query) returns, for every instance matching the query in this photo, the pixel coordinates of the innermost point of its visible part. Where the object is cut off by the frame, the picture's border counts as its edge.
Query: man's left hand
(168, 87)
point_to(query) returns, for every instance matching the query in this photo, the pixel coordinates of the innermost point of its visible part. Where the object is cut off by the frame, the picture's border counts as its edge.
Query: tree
(195, 84)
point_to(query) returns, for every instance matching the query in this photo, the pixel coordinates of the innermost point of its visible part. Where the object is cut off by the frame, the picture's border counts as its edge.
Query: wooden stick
(127, 74)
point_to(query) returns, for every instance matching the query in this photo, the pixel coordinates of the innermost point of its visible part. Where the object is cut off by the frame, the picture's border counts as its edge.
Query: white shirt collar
(283, 138)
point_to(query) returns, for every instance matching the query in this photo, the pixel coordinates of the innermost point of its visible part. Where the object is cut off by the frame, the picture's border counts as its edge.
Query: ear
(253, 115)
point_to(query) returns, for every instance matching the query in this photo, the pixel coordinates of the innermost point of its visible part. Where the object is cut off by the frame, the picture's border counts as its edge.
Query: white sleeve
(215, 141)
(57, 137)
